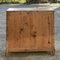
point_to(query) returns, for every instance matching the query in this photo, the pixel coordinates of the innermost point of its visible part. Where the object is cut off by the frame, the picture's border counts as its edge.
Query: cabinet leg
(7, 54)
(52, 52)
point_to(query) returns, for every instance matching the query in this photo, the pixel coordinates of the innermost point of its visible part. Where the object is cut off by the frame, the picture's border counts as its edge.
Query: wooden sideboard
(30, 31)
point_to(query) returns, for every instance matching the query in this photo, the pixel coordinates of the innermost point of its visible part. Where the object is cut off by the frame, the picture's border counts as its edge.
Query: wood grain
(30, 31)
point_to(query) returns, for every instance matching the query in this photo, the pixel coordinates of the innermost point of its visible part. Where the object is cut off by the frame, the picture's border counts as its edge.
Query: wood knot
(34, 34)
(48, 42)
(21, 29)
(26, 23)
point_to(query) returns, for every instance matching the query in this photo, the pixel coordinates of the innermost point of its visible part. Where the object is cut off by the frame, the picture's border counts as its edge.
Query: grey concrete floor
(27, 56)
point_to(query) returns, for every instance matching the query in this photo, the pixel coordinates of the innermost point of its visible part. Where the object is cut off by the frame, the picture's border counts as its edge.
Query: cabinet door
(18, 31)
(40, 30)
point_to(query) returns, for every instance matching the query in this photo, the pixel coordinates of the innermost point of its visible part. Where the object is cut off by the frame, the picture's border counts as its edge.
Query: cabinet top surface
(33, 7)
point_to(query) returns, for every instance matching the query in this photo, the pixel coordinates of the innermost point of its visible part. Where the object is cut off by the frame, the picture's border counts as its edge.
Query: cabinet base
(52, 52)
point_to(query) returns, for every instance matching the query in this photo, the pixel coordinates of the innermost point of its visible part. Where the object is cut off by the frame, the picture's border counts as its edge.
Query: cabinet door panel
(40, 30)
(18, 31)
